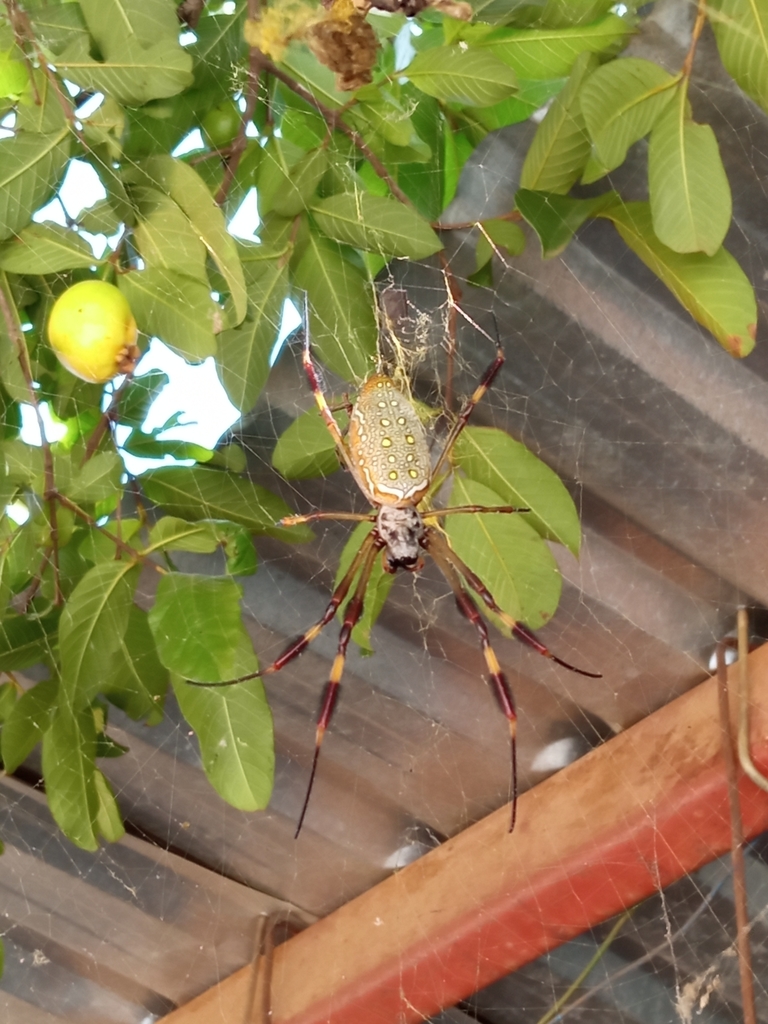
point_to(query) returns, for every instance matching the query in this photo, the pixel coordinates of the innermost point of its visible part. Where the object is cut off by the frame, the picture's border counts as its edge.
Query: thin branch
(16, 335)
(21, 601)
(698, 25)
(107, 417)
(737, 843)
(745, 754)
(188, 12)
(334, 119)
(132, 552)
(238, 146)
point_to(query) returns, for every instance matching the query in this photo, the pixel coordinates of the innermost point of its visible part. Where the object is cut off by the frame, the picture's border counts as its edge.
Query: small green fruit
(92, 331)
(221, 125)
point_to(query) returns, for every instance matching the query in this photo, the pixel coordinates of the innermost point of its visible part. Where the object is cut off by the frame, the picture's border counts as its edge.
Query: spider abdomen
(387, 445)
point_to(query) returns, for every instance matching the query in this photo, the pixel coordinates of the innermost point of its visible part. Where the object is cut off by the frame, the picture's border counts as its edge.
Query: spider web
(661, 441)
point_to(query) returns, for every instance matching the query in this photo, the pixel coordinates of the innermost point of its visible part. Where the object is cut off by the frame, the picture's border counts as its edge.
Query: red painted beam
(631, 817)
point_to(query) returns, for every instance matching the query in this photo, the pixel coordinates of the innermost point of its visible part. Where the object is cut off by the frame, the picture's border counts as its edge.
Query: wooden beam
(626, 820)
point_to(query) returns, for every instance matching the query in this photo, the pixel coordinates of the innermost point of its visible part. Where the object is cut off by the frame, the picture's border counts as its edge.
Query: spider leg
(311, 517)
(435, 512)
(371, 546)
(499, 681)
(322, 404)
(366, 551)
(521, 632)
(463, 418)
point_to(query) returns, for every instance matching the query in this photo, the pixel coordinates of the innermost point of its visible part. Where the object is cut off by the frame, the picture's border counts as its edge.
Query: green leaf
(176, 308)
(426, 183)
(197, 492)
(41, 109)
(92, 624)
(551, 52)
(204, 537)
(555, 219)
(188, 190)
(25, 725)
(56, 26)
(99, 219)
(689, 191)
(26, 641)
(561, 146)
(559, 13)
(19, 557)
(46, 249)
(164, 235)
(198, 628)
(108, 821)
(301, 184)
(137, 679)
(621, 101)
(14, 78)
(714, 289)
(466, 76)
(141, 57)
(491, 457)
(98, 479)
(386, 116)
(741, 32)
(149, 446)
(310, 72)
(139, 396)
(97, 547)
(376, 593)
(244, 352)
(234, 729)
(306, 449)
(69, 751)
(8, 694)
(278, 159)
(172, 534)
(377, 224)
(530, 97)
(341, 320)
(508, 555)
(30, 168)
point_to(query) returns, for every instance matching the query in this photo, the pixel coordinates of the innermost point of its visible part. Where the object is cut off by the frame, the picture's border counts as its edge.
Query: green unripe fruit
(92, 331)
(221, 125)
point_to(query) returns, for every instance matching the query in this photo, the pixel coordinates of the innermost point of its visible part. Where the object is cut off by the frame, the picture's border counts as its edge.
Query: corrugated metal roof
(663, 441)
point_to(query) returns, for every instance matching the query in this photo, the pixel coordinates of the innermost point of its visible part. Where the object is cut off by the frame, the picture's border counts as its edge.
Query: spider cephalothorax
(385, 449)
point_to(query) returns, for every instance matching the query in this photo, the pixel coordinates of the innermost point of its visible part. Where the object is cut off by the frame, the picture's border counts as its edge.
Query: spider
(386, 451)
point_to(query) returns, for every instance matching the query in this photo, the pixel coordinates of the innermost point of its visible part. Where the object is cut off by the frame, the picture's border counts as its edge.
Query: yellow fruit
(92, 331)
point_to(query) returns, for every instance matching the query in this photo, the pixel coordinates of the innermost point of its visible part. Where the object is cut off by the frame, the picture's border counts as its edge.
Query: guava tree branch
(107, 418)
(251, 96)
(120, 544)
(15, 333)
(334, 119)
(188, 12)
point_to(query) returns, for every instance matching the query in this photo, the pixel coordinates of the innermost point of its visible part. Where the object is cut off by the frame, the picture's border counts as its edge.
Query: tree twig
(132, 552)
(737, 842)
(334, 119)
(107, 418)
(13, 326)
(698, 25)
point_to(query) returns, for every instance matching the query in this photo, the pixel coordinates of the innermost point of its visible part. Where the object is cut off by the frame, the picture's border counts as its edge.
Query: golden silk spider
(386, 451)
